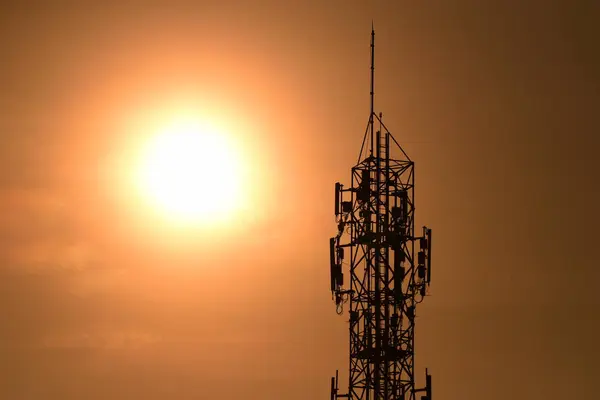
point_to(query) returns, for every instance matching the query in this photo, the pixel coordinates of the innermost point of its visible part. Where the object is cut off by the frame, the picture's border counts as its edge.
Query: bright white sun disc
(191, 171)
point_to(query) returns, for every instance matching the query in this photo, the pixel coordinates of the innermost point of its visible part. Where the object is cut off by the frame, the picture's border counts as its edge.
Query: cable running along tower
(389, 267)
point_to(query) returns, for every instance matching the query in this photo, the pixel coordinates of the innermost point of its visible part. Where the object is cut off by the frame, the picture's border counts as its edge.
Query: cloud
(38, 233)
(49, 255)
(102, 340)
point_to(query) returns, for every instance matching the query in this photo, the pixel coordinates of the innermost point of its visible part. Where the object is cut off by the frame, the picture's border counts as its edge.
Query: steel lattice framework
(389, 265)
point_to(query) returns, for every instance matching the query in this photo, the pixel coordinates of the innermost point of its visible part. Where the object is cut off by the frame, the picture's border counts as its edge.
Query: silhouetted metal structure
(389, 267)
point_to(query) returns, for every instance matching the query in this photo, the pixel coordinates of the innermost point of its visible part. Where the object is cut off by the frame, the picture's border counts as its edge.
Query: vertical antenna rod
(372, 83)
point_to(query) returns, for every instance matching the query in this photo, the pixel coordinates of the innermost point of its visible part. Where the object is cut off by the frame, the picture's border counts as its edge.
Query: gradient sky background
(496, 101)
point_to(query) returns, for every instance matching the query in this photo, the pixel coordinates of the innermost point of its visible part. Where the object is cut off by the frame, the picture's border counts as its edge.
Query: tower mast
(388, 276)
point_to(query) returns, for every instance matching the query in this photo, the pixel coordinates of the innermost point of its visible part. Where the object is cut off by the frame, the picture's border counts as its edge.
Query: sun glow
(192, 172)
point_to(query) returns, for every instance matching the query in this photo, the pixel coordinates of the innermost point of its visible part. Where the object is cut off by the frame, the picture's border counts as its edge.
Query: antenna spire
(372, 83)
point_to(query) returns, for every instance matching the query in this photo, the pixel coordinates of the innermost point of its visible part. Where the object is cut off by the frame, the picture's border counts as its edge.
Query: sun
(191, 172)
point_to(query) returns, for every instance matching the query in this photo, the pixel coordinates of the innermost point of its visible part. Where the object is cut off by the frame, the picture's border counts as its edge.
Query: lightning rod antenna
(372, 84)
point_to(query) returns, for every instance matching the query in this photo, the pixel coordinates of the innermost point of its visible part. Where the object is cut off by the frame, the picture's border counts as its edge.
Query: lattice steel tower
(389, 266)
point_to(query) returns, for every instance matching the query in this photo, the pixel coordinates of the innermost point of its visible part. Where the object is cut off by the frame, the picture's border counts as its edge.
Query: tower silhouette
(388, 263)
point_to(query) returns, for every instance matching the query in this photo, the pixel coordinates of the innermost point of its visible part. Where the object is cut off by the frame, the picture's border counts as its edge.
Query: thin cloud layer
(102, 340)
(40, 235)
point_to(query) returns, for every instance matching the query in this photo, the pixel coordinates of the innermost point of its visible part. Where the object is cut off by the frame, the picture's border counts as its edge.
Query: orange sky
(103, 299)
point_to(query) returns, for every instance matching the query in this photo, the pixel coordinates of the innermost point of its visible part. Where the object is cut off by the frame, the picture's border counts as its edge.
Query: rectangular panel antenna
(337, 199)
(428, 388)
(428, 256)
(332, 269)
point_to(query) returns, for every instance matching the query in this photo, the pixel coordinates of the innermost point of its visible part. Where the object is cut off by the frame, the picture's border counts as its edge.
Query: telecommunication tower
(389, 267)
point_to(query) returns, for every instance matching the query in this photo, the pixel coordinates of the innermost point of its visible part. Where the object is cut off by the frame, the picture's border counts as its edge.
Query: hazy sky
(495, 101)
